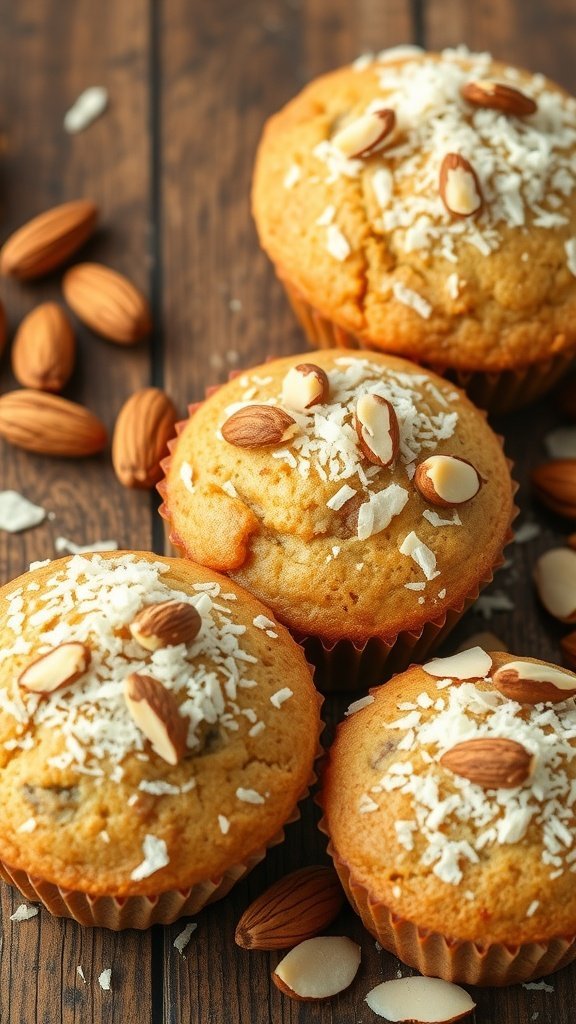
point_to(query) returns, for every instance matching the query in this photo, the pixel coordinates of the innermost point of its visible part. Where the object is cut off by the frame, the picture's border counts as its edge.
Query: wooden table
(169, 165)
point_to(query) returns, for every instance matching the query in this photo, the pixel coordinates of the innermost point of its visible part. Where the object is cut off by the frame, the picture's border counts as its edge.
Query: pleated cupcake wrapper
(498, 392)
(439, 956)
(346, 665)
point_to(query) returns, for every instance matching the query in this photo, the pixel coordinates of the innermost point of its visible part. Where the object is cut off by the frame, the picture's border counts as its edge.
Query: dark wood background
(191, 82)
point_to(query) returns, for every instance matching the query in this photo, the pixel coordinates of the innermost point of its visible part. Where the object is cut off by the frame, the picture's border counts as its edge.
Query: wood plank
(49, 53)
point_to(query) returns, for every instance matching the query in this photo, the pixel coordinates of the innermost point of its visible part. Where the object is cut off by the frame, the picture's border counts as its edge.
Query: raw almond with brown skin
(377, 429)
(498, 96)
(530, 683)
(305, 385)
(295, 908)
(554, 484)
(258, 426)
(156, 713)
(44, 349)
(166, 624)
(107, 302)
(459, 186)
(50, 425)
(447, 480)
(365, 134)
(58, 667)
(491, 762)
(48, 240)
(145, 425)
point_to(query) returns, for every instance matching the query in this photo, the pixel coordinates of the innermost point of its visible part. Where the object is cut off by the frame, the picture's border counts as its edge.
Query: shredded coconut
(23, 913)
(182, 940)
(412, 299)
(104, 979)
(17, 513)
(155, 857)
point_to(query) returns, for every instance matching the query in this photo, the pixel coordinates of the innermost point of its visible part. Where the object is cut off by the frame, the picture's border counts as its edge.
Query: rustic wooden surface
(169, 164)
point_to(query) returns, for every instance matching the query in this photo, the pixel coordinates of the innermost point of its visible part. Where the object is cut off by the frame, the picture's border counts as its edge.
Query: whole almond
(44, 349)
(258, 426)
(58, 667)
(145, 424)
(377, 429)
(554, 484)
(459, 186)
(156, 713)
(166, 624)
(498, 96)
(50, 425)
(447, 480)
(530, 683)
(305, 385)
(48, 240)
(107, 302)
(295, 908)
(491, 762)
(365, 134)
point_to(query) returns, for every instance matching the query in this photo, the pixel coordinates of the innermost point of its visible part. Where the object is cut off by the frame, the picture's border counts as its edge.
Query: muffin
(449, 801)
(425, 204)
(148, 715)
(310, 483)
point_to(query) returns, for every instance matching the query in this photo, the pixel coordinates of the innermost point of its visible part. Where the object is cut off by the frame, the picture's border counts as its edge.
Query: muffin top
(427, 203)
(449, 795)
(148, 710)
(339, 538)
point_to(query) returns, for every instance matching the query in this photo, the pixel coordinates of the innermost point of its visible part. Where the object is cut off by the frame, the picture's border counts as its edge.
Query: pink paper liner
(498, 392)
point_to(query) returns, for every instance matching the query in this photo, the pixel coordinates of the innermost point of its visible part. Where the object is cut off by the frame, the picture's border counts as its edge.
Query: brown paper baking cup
(498, 393)
(440, 956)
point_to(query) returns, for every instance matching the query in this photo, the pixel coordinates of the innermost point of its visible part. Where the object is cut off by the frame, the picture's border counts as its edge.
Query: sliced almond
(459, 186)
(498, 96)
(555, 579)
(61, 666)
(447, 480)
(528, 683)
(258, 426)
(318, 968)
(420, 1001)
(377, 429)
(156, 713)
(365, 134)
(166, 624)
(305, 385)
(294, 909)
(492, 762)
(475, 663)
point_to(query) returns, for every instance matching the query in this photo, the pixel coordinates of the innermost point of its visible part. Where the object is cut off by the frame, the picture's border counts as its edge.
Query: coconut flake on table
(527, 532)
(182, 940)
(89, 105)
(561, 443)
(487, 604)
(23, 913)
(155, 858)
(18, 513)
(538, 986)
(64, 546)
(80, 973)
(105, 978)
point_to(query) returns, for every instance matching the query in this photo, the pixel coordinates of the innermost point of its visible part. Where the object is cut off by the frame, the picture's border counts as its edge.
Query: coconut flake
(223, 824)
(570, 248)
(65, 546)
(412, 299)
(561, 443)
(182, 940)
(23, 913)
(421, 554)
(186, 476)
(89, 105)
(377, 513)
(292, 176)
(17, 513)
(249, 796)
(278, 698)
(341, 497)
(104, 979)
(357, 705)
(336, 243)
(155, 858)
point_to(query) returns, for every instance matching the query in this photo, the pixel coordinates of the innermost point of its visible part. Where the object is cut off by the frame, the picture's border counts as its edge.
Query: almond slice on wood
(156, 713)
(475, 663)
(318, 968)
(459, 186)
(555, 579)
(492, 762)
(295, 908)
(365, 134)
(305, 385)
(166, 624)
(420, 1001)
(377, 429)
(61, 666)
(498, 96)
(530, 683)
(447, 480)
(258, 426)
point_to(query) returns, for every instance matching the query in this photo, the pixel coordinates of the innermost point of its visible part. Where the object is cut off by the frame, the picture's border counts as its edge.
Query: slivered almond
(48, 240)
(318, 968)
(60, 666)
(498, 96)
(447, 480)
(258, 426)
(365, 134)
(305, 385)
(295, 908)
(107, 302)
(377, 428)
(555, 579)
(555, 485)
(166, 624)
(44, 349)
(145, 425)
(459, 186)
(530, 683)
(472, 663)
(50, 425)
(492, 762)
(156, 713)
(420, 1001)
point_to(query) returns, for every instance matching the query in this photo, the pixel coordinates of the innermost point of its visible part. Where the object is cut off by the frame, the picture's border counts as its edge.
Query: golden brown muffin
(339, 545)
(449, 802)
(179, 788)
(368, 245)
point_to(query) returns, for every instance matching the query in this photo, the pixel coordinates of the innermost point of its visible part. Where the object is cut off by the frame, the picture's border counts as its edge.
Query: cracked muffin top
(427, 204)
(148, 710)
(354, 493)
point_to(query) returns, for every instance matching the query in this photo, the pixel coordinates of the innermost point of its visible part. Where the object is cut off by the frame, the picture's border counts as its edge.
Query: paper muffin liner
(440, 956)
(498, 392)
